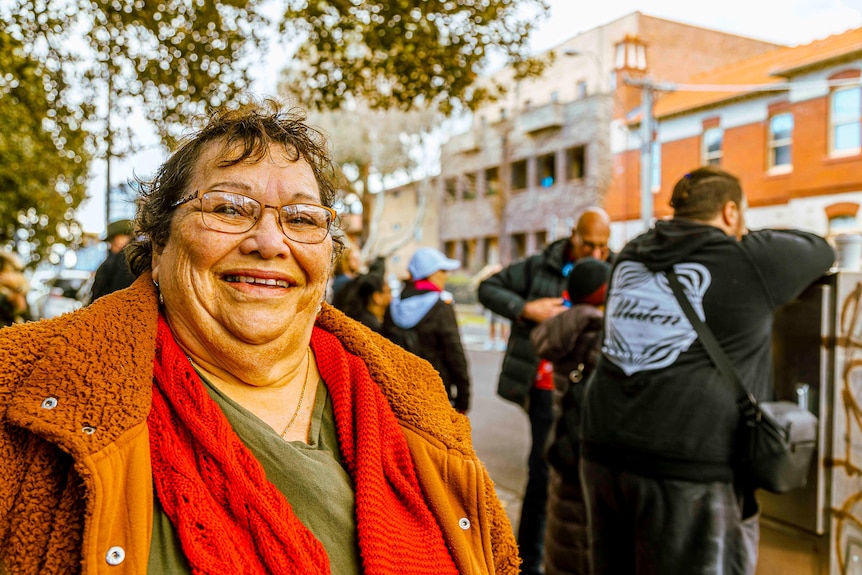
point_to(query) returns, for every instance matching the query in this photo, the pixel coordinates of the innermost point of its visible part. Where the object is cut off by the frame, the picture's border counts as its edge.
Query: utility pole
(109, 151)
(647, 132)
(503, 243)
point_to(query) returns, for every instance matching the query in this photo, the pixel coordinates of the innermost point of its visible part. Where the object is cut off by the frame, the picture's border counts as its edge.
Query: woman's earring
(161, 299)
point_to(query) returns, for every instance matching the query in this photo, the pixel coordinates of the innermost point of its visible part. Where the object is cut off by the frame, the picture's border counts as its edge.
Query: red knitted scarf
(230, 519)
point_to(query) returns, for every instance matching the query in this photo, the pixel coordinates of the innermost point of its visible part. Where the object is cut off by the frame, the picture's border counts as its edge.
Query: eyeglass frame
(198, 195)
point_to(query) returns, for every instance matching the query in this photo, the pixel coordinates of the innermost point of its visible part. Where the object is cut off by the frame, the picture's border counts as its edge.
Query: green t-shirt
(311, 477)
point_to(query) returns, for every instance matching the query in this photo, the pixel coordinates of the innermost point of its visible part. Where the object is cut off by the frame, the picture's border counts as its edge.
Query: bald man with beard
(528, 292)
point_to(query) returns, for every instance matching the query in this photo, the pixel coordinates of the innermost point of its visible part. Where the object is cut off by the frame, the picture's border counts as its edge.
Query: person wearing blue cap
(422, 320)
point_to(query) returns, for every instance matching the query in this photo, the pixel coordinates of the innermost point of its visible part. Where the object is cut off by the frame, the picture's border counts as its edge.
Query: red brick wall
(745, 155)
(622, 202)
(814, 172)
(676, 51)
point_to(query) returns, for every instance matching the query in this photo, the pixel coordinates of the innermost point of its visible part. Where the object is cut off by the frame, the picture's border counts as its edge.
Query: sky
(789, 22)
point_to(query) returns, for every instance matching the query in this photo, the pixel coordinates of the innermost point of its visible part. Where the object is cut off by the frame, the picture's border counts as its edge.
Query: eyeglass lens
(235, 214)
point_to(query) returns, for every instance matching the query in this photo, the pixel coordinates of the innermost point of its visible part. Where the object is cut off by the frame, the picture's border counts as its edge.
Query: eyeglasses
(233, 213)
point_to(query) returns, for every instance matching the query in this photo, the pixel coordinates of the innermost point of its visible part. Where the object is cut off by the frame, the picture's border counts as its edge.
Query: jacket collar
(87, 375)
(412, 387)
(556, 254)
(85, 378)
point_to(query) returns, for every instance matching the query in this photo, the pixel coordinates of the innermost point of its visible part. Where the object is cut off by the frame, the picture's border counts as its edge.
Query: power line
(773, 87)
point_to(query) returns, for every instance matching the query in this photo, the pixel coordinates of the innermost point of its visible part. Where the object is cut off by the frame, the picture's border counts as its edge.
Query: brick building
(530, 162)
(787, 122)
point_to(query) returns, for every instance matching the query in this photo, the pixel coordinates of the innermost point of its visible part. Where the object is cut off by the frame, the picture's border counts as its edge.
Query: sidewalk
(500, 428)
(474, 328)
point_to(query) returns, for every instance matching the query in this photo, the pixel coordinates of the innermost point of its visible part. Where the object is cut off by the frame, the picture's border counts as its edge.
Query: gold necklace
(301, 395)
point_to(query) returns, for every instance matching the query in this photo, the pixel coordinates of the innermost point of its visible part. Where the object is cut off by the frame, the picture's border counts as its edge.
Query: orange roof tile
(750, 76)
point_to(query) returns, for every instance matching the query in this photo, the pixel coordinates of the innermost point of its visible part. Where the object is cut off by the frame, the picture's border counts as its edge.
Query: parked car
(60, 294)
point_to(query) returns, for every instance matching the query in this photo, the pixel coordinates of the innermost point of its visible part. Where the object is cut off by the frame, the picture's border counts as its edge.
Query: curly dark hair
(246, 134)
(700, 194)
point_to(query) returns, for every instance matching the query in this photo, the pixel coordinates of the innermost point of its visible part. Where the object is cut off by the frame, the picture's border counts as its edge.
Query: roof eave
(813, 65)
(739, 97)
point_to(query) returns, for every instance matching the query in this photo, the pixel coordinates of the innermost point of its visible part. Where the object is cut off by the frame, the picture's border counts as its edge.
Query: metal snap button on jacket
(464, 523)
(115, 555)
(49, 403)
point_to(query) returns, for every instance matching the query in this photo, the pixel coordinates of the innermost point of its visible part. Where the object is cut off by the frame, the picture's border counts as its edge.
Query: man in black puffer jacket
(528, 292)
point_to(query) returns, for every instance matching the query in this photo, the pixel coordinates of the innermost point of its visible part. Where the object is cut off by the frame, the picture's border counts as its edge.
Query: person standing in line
(114, 273)
(347, 267)
(366, 299)
(424, 312)
(660, 421)
(570, 341)
(528, 292)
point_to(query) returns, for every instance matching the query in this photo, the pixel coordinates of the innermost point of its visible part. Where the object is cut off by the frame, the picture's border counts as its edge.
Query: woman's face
(255, 287)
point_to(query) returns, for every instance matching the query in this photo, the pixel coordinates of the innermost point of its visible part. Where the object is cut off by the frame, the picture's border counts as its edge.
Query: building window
(655, 172)
(845, 116)
(541, 238)
(469, 192)
(547, 165)
(780, 140)
(519, 175)
(842, 218)
(712, 139)
(518, 247)
(450, 189)
(581, 90)
(468, 249)
(449, 249)
(492, 181)
(575, 163)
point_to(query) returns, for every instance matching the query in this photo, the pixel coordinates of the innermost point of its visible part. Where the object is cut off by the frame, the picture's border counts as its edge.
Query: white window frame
(835, 122)
(712, 158)
(774, 143)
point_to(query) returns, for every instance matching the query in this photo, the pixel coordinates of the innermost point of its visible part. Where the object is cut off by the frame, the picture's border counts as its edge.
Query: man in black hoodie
(659, 420)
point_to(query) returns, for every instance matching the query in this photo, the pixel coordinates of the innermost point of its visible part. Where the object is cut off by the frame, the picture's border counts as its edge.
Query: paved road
(501, 432)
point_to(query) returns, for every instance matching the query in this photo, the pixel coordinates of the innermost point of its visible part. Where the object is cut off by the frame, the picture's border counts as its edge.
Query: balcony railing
(547, 117)
(465, 143)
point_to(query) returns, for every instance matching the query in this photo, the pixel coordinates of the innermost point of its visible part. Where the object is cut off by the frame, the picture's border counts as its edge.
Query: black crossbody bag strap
(745, 400)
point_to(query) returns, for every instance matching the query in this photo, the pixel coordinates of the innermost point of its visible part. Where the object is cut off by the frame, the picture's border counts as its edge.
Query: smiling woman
(219, 399)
